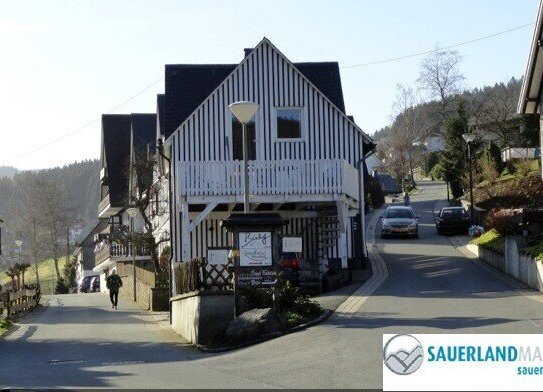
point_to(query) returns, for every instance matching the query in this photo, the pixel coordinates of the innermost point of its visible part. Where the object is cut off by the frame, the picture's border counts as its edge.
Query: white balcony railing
(288, 177)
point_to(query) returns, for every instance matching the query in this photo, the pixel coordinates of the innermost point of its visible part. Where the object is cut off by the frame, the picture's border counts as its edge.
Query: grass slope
(46, 271)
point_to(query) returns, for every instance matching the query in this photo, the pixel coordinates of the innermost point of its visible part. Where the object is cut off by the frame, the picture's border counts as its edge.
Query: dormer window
(289, 123)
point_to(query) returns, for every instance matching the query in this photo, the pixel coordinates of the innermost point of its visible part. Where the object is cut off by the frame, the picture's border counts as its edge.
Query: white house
(304, 153)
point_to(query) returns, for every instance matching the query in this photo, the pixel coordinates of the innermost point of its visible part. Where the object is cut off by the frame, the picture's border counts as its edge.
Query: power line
(438, 49)
(71, 133)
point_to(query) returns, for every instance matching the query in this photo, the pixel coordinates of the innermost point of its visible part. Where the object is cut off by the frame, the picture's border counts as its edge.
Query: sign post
(255, 252)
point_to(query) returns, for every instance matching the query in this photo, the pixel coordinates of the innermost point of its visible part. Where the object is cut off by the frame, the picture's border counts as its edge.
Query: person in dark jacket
(113, 284)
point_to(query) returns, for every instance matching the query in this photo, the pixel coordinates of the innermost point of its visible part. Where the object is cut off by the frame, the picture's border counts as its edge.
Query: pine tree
(454, 157)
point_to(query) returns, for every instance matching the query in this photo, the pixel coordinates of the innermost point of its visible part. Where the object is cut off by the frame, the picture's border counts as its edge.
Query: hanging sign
(217, 256)
(255, 249)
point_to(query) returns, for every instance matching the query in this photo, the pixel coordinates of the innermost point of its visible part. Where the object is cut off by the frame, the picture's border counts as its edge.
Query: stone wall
(200, 316)
(148, 296)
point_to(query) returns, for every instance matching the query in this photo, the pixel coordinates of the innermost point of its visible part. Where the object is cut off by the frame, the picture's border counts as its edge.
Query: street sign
(259, 277)
(292, 244)
(255, 249)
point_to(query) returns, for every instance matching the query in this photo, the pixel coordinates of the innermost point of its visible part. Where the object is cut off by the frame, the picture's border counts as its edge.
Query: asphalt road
(77, 341)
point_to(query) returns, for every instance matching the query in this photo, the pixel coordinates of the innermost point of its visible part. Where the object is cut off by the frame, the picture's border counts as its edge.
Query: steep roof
(188, 85)
(532, 84)
(144, 137)
(116, 143)
(161, 113)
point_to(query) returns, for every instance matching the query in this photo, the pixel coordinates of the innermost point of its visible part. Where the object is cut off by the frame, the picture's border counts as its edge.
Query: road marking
(64, 361)
(380, 273)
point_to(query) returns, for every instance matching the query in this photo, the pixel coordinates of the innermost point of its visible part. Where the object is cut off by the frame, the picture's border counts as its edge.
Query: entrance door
(237, 140)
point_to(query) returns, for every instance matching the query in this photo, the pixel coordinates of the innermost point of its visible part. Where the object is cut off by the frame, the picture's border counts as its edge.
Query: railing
(14, 302)
(104, 251)
(268, 178)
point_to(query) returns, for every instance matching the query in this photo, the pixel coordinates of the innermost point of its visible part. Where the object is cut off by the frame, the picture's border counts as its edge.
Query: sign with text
(217, 256)
(255, 249)
(255, 277)
(292, 244)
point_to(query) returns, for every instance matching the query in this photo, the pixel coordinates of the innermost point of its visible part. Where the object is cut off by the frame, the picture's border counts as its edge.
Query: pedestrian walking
(113, 284)
(406, 199)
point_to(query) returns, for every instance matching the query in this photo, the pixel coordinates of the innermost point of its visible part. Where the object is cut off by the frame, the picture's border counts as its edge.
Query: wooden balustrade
(15, 302)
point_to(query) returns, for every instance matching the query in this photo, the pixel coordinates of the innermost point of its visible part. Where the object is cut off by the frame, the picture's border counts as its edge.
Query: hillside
(7, 171)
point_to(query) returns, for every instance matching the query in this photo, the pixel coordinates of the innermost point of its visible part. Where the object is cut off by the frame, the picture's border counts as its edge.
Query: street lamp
(1, 224)
(132, 213)
(469, 138)
(19, 243)
(244, 111)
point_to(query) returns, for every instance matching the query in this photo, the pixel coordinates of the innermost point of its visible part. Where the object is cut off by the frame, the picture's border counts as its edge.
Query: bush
(505, 222)
(437, 172)
(429, 161)
(61, 287)
(377, 197)
(524, 168)
(514, 193)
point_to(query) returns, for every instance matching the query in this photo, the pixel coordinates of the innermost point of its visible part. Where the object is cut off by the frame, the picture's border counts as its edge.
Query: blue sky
(63, 63)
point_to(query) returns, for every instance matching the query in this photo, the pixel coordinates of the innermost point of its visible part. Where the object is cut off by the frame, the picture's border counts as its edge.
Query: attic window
(289, 123)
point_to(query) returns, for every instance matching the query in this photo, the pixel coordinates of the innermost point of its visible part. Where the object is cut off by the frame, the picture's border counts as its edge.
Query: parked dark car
(452, 220)
(95, 284)
(399, 221)
(84, 286)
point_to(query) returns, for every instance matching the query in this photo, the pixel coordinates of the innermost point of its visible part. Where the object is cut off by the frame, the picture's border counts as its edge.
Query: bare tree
(54, 206)
(148, 197)
(441, 78)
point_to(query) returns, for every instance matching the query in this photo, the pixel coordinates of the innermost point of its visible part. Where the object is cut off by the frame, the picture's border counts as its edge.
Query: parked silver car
(399, 221)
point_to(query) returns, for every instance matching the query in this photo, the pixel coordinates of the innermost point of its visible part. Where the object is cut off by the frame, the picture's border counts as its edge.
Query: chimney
(247, 51)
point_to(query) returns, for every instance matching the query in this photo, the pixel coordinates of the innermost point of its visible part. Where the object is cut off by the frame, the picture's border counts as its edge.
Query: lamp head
(469, 137)
(244, 111)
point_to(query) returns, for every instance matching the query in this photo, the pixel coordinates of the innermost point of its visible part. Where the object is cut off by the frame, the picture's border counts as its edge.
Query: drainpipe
(160, 149)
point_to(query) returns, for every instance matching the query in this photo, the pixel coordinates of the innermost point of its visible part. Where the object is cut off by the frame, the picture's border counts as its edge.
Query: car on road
(85, 285)
(399, 221)
(452, 220)
(95, 284)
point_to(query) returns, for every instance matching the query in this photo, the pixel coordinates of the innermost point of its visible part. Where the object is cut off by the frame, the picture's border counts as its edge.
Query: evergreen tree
(454, 157)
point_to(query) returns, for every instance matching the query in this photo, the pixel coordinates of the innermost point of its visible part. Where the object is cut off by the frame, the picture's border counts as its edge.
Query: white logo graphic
(403, 354)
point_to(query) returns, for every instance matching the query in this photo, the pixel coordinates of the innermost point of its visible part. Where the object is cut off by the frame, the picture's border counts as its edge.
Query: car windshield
(399, 213)
(456, 213)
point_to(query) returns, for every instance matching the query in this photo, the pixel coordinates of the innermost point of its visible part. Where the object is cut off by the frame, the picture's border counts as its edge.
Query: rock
(252, 324)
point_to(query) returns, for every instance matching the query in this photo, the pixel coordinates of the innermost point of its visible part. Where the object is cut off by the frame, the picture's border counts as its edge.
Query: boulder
(252, 324)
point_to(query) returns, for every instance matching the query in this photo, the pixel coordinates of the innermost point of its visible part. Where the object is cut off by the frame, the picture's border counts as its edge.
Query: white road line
(380, 273)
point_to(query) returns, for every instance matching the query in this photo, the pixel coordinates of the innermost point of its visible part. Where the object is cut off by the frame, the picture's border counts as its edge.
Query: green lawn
(46, 271)
(4, 326)
(490, 240)
(535, 251)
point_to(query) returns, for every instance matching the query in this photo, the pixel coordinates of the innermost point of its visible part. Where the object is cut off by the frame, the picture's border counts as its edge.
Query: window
(289, 123)
(237, 140)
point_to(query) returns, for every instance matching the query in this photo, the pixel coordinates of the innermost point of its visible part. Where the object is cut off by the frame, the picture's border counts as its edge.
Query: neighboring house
(84, 250)
(303, 152)
(388, 184)
(532, 85)
(126, 139)
(434, 143)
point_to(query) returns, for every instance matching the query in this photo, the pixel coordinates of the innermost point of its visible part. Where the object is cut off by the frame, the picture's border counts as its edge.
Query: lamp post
(469, 138)
(244, 111)
(19, 244)
(1, 224)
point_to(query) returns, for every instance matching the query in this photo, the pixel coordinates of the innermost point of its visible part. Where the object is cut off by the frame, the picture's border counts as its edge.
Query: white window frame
(302, 124)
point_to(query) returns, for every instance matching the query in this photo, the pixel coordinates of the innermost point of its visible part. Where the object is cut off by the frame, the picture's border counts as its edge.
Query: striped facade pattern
(266, 77)
(209, 234)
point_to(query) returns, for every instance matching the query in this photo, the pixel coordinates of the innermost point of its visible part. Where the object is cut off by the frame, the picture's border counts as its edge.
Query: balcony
(269, 181)
(105, 210)
(106, 255)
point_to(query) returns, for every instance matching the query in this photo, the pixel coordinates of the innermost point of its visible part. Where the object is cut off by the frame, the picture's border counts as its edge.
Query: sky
(64, 63)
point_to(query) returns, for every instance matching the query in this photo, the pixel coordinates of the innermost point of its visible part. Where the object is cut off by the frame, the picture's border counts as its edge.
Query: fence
(199, 275)
(15, 302)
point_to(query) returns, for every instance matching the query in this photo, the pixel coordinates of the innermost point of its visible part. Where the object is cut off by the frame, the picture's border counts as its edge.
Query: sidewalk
(333, 299)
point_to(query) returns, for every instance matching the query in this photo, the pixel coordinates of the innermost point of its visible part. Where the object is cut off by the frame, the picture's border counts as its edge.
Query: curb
(323, 317)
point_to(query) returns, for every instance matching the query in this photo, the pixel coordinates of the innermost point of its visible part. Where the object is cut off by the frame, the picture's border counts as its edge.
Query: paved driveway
(431, 288)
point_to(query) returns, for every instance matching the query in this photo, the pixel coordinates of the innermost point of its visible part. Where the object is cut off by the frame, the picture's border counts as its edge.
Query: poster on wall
(216, 256)
(255, 249)
(292, 244)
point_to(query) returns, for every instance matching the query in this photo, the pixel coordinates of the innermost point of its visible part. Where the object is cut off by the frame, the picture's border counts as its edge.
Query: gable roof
(188, 85)
(326, 74)
(532, 84)
(116, 147)
(143, 138)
